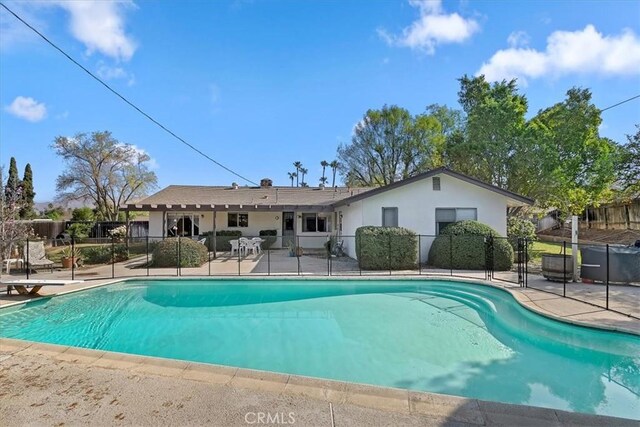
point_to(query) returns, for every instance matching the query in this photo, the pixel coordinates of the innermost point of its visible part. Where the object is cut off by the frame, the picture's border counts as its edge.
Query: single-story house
(424, 203)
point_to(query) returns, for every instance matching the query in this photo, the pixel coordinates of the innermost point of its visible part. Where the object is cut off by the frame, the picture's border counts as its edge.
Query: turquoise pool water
(445, 337)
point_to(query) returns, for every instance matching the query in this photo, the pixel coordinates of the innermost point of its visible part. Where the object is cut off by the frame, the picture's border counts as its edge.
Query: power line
(131, 104)
(620, 103)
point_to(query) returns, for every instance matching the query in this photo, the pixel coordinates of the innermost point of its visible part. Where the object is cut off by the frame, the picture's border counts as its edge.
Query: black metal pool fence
(603, 275)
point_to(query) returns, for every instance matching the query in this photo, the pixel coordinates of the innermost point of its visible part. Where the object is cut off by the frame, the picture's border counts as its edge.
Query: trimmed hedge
(386, 248)
(269, 237)
(469, 248)
(192, 253)
(222, 239)
(102, 254)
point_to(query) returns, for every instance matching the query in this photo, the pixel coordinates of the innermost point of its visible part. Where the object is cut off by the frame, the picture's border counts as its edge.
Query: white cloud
(518, 39)
(434, 27)
(99, 25)
(568, 52)
(27, 108)
(107, 72)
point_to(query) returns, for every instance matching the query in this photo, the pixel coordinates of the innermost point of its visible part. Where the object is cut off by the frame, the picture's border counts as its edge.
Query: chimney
(266, 182)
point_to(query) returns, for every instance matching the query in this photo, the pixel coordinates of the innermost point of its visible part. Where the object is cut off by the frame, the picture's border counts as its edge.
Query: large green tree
(495, 123)
(103, 170)
(629, 167)
(451, 125)
(28, 194)
(12, 190)
(388, 145)
(580, 163)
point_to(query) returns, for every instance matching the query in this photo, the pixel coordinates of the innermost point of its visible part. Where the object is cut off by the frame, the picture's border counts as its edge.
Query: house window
(238, 220)
(185, 225)
(448, 216)
(436, 183)
(316, 222)
(389, 217)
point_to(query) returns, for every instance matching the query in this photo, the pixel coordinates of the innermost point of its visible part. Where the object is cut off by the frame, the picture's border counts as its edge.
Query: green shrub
(269, 237)
(192, 253)
(461, 245)
(386, 248)
(222, 239)
(520, 228)
(80, 230)
(102, 254)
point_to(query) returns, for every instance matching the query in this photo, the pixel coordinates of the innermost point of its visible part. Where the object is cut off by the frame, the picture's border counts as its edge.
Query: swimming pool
(439, 336)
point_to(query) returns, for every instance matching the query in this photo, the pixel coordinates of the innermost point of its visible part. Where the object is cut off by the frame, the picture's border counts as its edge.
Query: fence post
(73, 258)
(419, 255)
(564, 268)
(359, 246)
(178, 256)
(389, 254)
(113, 257)
(298, 253)
(269, 259)
(208, 242)
(329, 257)
(147, 264)
(526, 262)
(607, 303)
(451, 254)
(239, 259)
(27, 256)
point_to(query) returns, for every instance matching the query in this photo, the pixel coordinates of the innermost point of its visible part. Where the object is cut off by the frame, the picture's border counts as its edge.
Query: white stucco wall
(417, 203)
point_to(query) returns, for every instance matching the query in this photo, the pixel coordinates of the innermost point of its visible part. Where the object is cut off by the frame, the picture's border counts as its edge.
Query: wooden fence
(613, 217)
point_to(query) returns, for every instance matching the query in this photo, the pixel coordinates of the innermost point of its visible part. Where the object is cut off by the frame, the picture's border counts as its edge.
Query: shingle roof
(442, 170)
(248, 196)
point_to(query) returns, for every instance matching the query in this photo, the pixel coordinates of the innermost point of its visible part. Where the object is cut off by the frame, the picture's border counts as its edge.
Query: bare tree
(103, 170)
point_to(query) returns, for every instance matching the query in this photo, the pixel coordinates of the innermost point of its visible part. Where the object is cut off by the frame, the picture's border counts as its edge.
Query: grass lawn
(539, 248)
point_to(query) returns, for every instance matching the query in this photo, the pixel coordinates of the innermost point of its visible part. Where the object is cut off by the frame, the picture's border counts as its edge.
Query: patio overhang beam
(182, 207)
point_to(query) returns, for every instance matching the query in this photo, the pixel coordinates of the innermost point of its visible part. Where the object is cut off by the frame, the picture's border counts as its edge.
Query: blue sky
(258, 85)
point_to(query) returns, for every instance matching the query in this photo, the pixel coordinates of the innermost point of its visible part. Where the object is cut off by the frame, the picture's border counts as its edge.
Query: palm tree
(324, 165)
(291, 176)
(323, 180)
(298, 166)
(334, 168)
(303, 171)
(304, 184)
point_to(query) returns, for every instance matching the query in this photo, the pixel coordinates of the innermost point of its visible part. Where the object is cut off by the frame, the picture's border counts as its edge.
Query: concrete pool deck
(42, 384)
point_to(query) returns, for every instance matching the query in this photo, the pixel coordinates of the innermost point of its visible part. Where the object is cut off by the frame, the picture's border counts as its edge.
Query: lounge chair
(35, 256)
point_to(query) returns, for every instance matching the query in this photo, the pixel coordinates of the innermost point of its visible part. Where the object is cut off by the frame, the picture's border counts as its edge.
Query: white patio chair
(235, 246)
(245, 245)
(257, 242)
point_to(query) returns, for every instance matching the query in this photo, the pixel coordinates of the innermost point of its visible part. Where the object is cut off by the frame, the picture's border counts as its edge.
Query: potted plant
(70, 257)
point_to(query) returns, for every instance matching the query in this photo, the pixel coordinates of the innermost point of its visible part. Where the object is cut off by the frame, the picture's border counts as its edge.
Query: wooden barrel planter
(555, 266)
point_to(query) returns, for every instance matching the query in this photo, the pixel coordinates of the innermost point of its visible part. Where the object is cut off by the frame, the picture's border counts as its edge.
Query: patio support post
(113, 256)
(27, 256)
(564, 268)
(607, 301)
(73, 258)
